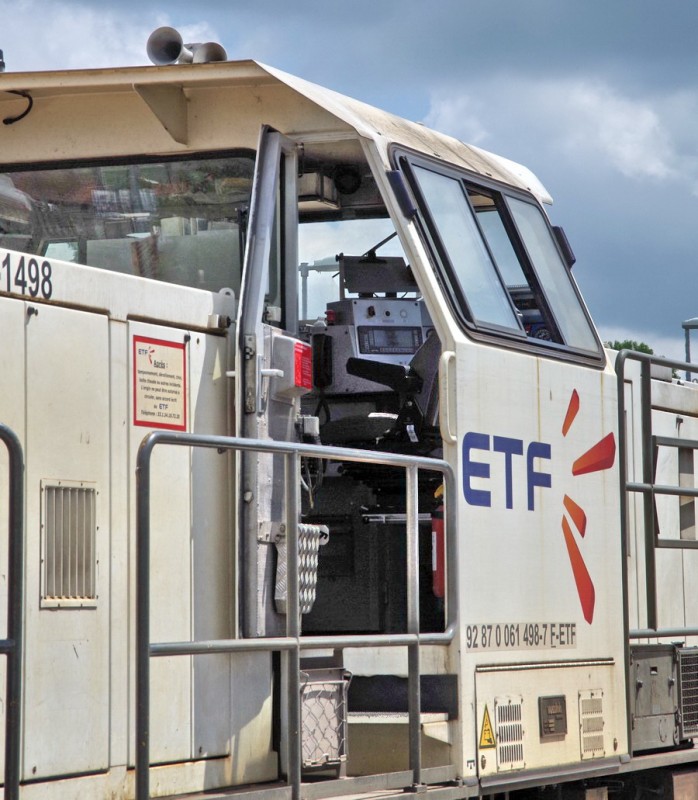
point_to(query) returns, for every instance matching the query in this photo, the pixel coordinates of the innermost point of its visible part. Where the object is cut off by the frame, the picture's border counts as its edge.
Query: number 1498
(26, 275)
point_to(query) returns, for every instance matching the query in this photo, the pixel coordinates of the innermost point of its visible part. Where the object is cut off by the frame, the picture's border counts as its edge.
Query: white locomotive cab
(349, 333)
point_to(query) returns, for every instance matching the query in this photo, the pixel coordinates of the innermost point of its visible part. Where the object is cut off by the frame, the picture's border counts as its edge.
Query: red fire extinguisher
(438, 550)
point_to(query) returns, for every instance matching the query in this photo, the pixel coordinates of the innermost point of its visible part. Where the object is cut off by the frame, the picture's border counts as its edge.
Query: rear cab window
(179, 219)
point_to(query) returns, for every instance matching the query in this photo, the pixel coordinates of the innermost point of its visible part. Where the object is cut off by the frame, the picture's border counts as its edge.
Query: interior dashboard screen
(389, 340)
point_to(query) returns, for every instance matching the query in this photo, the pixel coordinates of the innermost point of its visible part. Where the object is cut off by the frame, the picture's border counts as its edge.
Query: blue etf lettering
(536, 450)
(510, 447)
(475, 469)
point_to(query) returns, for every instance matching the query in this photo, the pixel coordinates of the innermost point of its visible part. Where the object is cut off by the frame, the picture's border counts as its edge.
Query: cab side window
(499, 261)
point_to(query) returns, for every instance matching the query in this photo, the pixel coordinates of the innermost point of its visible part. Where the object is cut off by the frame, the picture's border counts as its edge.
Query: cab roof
(183, 107)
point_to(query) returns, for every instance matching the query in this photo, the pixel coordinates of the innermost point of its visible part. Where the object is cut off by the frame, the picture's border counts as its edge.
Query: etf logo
(599, 457)
(509, 448)
(154, 362)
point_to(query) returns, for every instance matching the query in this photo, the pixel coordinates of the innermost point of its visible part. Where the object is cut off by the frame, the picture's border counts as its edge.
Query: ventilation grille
(69, 530)
(591, 724)
(688, 691)
(509, 733)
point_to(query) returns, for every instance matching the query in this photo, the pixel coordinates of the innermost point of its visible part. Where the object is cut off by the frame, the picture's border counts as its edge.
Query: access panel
(67, 542)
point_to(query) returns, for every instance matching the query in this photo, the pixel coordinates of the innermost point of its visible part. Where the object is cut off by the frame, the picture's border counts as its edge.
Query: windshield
(319, 245)
(174, 220)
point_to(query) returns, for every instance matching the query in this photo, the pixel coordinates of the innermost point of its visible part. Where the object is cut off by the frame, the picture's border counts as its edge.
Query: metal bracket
(249, 351)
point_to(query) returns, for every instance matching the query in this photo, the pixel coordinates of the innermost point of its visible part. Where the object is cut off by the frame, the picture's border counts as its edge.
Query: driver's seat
(414, 428)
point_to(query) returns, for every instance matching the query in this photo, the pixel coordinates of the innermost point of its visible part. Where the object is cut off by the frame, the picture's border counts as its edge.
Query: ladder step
(393, 717)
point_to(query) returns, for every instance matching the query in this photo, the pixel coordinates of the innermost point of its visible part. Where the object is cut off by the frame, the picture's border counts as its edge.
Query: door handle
(448, 357)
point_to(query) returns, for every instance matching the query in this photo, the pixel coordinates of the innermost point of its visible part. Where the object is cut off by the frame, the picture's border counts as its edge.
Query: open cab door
(274, 369)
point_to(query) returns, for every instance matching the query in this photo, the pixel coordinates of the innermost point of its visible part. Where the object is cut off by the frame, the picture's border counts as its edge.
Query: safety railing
(647, 486)
(12, 645)
(293, 643)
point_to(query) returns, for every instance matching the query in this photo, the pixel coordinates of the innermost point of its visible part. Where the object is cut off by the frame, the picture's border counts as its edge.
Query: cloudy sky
(598, 97)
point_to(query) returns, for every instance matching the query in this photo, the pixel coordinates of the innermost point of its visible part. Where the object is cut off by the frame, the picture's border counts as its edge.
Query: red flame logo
(599, 457)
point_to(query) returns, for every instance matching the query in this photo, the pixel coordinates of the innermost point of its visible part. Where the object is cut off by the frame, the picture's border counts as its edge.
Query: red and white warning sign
(159, 384)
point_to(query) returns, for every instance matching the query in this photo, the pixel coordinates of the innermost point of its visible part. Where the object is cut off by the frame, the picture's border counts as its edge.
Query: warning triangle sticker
(486, 732)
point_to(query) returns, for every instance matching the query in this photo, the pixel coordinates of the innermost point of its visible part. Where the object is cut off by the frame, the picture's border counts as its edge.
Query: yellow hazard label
(486, 732)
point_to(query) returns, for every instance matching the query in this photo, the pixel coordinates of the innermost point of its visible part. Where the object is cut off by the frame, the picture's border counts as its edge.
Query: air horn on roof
(166, 46)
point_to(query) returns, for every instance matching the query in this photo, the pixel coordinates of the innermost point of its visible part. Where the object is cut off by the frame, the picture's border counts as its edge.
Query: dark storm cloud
(458, 40)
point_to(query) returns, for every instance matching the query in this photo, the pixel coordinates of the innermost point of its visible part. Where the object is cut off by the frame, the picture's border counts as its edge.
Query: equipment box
(324, 719)
(654, 697)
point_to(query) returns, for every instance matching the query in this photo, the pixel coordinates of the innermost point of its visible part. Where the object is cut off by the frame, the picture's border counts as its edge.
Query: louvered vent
(69, 530)
(591, 724)
(509, 733)
(688, 691)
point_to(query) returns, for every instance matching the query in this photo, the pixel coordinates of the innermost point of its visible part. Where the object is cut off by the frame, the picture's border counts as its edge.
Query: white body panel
(518, 583)
(76, 423)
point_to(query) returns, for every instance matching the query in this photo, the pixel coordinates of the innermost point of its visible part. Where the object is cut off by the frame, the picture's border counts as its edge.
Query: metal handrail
(647, 487)
(292, 643)
(12, 645)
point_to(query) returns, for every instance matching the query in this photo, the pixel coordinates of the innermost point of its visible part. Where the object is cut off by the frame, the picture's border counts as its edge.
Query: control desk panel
(385, 329)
